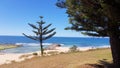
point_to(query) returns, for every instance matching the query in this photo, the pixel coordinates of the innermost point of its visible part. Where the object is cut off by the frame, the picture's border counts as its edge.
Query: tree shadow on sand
(102, 64)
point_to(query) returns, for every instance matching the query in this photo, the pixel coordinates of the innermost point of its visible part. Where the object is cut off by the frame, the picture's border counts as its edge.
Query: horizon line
(63, 36)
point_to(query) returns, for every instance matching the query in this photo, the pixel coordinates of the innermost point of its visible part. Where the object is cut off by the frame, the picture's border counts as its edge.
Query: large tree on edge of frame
(99, 18)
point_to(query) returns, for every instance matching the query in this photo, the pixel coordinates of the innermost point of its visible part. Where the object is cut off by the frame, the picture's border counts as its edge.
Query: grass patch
(3, 47)
(69, 60)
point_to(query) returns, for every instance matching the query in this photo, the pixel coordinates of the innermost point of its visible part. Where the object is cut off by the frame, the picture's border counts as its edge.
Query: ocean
(32, 45)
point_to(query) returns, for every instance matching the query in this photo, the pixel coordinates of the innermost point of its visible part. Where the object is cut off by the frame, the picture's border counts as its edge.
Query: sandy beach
(7, 58)
(68, 60)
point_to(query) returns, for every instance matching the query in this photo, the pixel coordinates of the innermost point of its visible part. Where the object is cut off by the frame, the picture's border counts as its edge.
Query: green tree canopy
(92, 17)
(96, 18)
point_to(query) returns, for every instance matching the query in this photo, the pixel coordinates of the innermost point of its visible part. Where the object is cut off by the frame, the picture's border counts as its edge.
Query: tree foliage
(92, 17)
(96, 18)
(41, 33)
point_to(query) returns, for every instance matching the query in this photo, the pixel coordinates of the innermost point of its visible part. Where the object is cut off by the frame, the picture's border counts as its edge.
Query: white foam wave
(93, 47)
(104, 46)
(34, 44)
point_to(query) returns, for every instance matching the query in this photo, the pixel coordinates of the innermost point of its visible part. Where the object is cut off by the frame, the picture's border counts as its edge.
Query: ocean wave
(104, 46)
(64, 45)
(35, 44)
(90, 46)
(100, 46)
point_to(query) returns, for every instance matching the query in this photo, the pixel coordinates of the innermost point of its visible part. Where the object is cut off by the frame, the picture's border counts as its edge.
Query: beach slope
(69, 60)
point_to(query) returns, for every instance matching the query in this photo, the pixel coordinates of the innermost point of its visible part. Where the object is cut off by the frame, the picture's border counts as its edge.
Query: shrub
(35, 53)
(73, 48)
(53, 52)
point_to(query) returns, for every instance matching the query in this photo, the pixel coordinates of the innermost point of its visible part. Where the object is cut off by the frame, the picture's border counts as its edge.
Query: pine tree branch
(41, 22)
(31, 37)
(47, 26)
(48, 31)
(35, 32)
(90, 34)
(33, 26)
(44, 31)
(49, 36)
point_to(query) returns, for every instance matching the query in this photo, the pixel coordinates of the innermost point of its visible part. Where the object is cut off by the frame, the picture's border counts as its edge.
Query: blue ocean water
(32, 45)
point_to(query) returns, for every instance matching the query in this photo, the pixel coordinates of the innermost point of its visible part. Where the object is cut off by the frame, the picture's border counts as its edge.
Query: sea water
(32, 45)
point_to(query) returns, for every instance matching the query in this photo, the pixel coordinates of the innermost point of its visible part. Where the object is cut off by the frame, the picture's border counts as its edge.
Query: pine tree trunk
(115, 47)
(41, 40)
(41, 46)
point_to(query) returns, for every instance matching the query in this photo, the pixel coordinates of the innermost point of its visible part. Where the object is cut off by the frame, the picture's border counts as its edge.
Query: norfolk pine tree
(41, 33)
(99, 18)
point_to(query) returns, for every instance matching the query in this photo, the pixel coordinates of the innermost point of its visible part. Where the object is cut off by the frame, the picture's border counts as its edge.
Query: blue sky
(16, 14)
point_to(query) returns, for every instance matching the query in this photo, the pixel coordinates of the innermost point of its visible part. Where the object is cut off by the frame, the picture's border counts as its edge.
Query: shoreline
(7, 58)
(8, 46)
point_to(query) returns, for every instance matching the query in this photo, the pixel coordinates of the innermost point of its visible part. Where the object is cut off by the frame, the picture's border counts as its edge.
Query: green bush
(35, 53)
(53, 52)
(73, 48)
